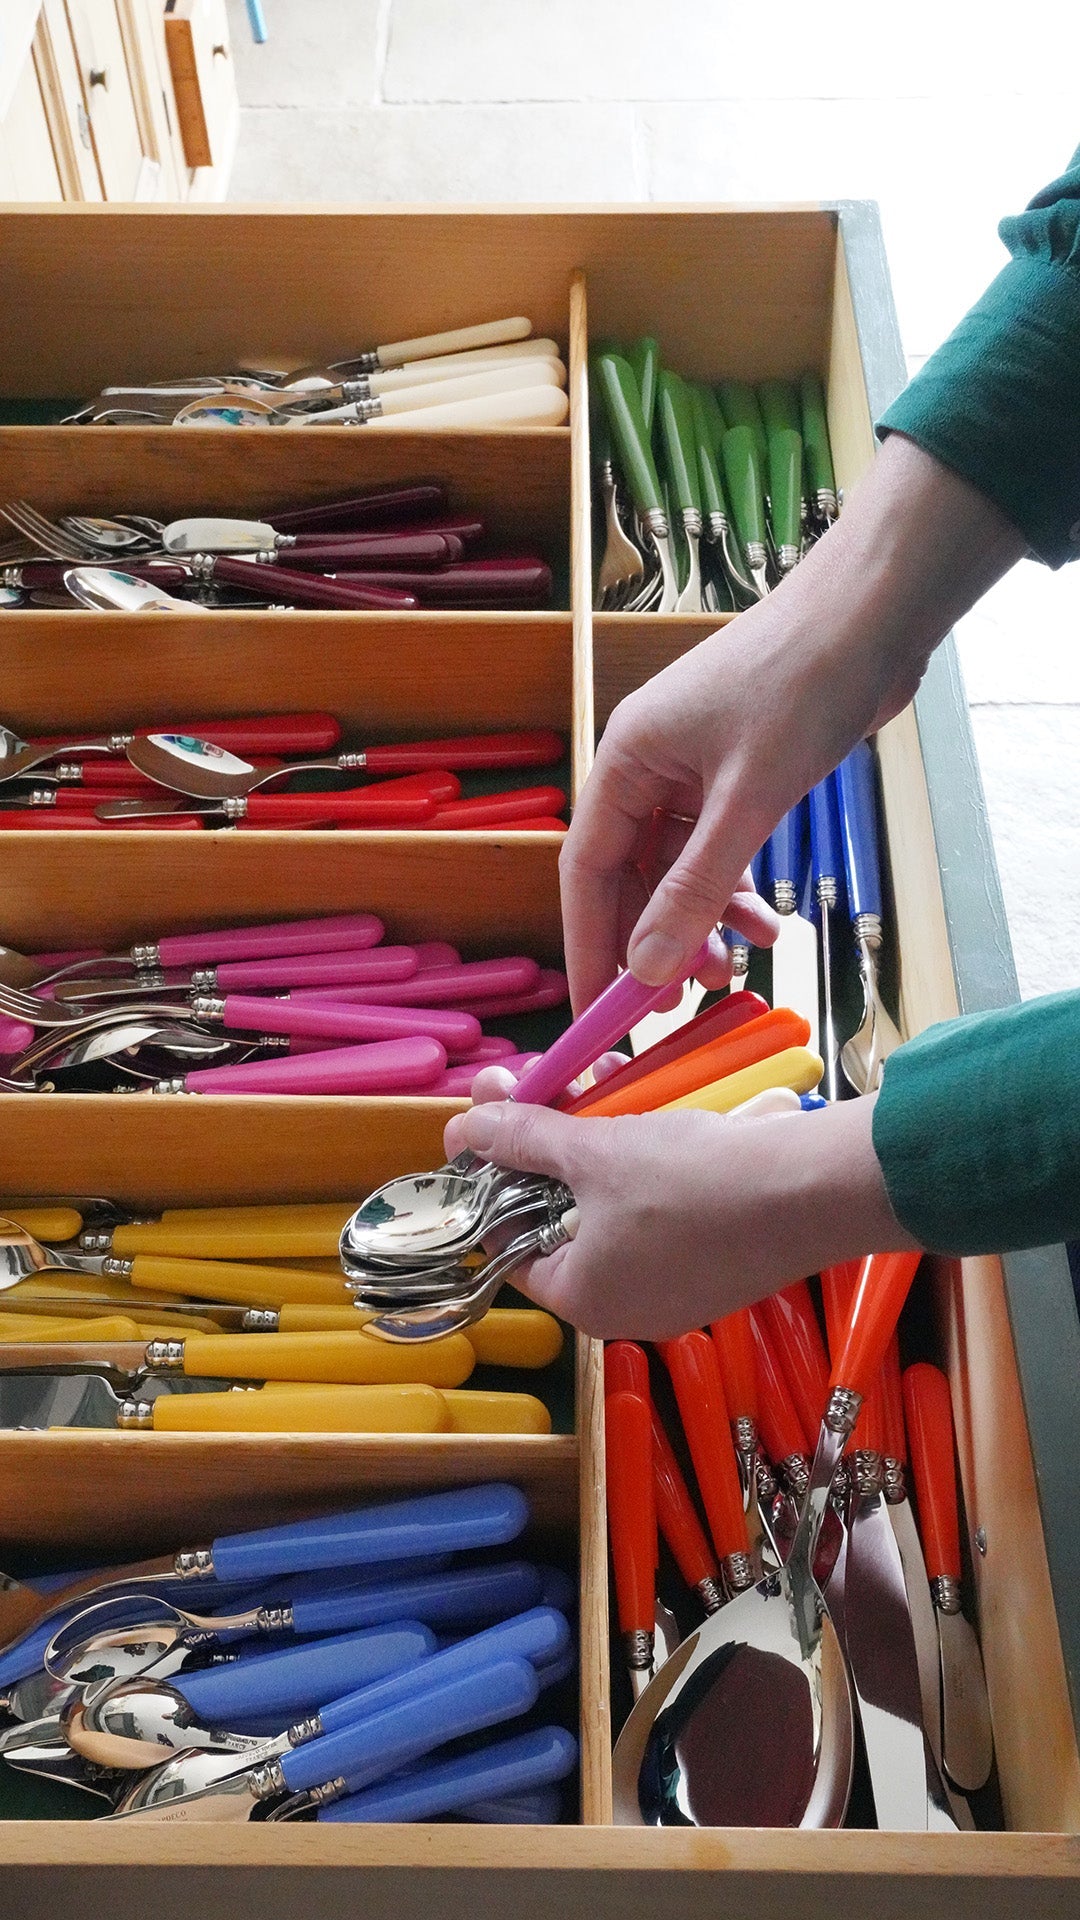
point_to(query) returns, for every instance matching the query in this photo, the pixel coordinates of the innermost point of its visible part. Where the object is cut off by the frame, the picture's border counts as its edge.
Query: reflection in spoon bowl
(107, 590)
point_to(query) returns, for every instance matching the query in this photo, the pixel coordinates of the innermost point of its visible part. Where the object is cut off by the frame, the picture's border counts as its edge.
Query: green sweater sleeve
(999, 402)
(977, 1129)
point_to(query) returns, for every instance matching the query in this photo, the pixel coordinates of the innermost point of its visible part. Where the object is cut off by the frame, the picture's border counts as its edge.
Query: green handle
(714, 419)
(742, 472)
(815, 429)
(679, 441)
(644, 357)
(785, 486)
(779, 405)
(738, 404)
(712, 487)
(680, 551)
(622, 401)
(599, 431)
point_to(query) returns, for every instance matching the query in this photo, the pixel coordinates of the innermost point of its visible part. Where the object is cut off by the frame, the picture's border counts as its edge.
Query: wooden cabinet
(744, 292)
(28, 169)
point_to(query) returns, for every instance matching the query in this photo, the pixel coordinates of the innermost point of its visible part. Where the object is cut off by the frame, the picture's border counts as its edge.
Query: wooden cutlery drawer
(744, 292)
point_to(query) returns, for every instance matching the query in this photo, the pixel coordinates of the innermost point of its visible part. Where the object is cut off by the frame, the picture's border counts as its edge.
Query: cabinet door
(28, 169)
(128, 170)
(62, 94)
(200, 57)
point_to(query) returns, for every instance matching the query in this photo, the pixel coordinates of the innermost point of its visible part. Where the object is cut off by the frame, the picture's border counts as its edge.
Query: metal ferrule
(639, 1647)
(692, 522)
(795, 1471)
(711, 1594)
(368, 362)
(146, 956)
(260, 1320)
(756, 553)
(67, 773)
(330, 1790)
(196, 1563)
(168, 1086)
(13, 577)
(165, 1356)
(267, 1781)
(895, 1488)
(203, 979)
(869, 1472)
(786, 558)
(655, 521)
(740, 959)
(273, 1042)
(738, 1571)
(765, 1480)
(826, 502)
(351, 762)
(716, 526)
(135, 1414)
(119, 742)
(235, 806)
(843, 1409)
(744, 1434)
(39, 797)
(359, 389)
(945, 1593)
(202, 565)
(785, 896)
(208, 1006)
(305, 1730)
(274, 1619)
(118, 1268)
(867, 928)
(827, 892)
(94, 1242)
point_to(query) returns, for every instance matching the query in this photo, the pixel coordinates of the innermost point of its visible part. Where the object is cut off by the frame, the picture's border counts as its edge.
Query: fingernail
(480, 1126)
(655, 959)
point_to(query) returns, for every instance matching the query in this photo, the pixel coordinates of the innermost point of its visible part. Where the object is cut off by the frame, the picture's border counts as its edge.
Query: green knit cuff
(999, 402)
(977, 1129)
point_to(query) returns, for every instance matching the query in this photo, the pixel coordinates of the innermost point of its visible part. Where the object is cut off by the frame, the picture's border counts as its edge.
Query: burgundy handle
(552, 990)
(418, 498)
(734, 1010)
(353, 807)
(272, 940)
(471, 582)
(520, 808)
(390, 1066)
(376, 967)
(457, 986)
(305, 590)
(354, 557)
(50, 573)
(540, 748)
(465, 526)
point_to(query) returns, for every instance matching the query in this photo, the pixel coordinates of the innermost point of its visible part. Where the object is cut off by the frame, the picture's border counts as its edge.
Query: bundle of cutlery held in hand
(825, 1613)
(494, 374)
(375, 1664)
(709, 494)
(389, 550)
(234, 773)
(323, 1006)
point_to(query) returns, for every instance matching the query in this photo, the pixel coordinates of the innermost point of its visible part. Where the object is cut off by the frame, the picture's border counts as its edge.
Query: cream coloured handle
(447, 366)
(490, 333)
(525, 407)
(437, 393)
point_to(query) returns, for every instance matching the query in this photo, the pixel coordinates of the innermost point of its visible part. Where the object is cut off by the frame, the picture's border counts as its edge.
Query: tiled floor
(947, 114)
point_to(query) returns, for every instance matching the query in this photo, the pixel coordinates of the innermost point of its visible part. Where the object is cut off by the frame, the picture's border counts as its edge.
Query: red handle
(500, 809)
(734, 1010)
(444, 787)
(928, 1407)
(356, 556)
(305, 589)
(837, 1292)
(45, 820)
(541, 748)
(626, 1369)
(270, 733)
(357, 807)
(677, 1514)
(893, 1396)
(372, 509)
(733, 1338)
(695, 1374)
(631, 1509)
(796, 1337)
(759, 1039)
(781, 1429)
(883, 1286)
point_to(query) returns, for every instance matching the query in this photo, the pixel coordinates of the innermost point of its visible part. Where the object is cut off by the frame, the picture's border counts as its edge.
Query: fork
(58, 542)
(622, 569)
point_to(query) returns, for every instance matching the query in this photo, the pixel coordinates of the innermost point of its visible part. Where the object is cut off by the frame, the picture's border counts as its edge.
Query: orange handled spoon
(694, 1367)
(632, 1527)
(626, 1366)
(744, 1046)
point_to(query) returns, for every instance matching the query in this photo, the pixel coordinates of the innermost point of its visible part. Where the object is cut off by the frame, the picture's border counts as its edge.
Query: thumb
(532, 1139)
(684, 908)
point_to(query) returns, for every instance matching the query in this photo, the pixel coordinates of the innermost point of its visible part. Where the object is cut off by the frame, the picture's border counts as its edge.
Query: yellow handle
(516, 1337)
(301, 1319)
(45, 1223)
(796, 1067)
(43, 1326)
(313, 1264)
(222, 1280)
(55, 1285)
(240, 1233)
(399, 1409)
(349, 1358)
(472, 1411)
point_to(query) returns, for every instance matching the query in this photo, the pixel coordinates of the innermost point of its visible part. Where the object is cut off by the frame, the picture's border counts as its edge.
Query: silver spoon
(108, 591)
(436, 1322)
(438, 1220)
(188, 765)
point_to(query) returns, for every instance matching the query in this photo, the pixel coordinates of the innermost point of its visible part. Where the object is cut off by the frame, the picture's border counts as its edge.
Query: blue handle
(297, 1680)
(557, 1589)
(540, 1808)
(293, 1587)
(735, 941)
(757, 868)
(825, 849)
(374, 1747)
(508, 1766)
(857, 798)
(551, 1673)
(256, 22)
(467, 1517)
(812, 1102)
(786, 848)
(540, 1635)
(439, 1599)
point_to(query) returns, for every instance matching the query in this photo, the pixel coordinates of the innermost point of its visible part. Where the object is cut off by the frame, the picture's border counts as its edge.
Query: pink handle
(378, 967)
(524, 806)
(612, 1014)
(435, 953)
(392, 1066)
(456, 1082)
(454, 986)
(15, 1035)
(412, 549)
(541, 748)
(551, 991)
(322, 1020)
(273, 940)
(372, 509)
(304, 589)
(491, 1047)
(465, 525)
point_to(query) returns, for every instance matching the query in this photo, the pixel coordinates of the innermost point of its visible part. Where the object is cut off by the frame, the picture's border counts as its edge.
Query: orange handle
(837, 1292)
(626, 1369)
(870, 1432)
(770, 1033)
(781, 1429)
(893, 1397)
(797, 1342)
(631, 1509)
(930, 1432)
(733, 1338)
(695, 1374)
(677, 1514)
(883, 1285)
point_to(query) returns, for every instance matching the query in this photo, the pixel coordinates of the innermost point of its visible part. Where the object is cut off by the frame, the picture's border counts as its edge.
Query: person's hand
(685, 1216)
(728, 738)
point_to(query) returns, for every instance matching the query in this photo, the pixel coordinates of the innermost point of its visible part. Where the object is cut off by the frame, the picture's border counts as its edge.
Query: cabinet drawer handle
(99, 77)
(220, 51)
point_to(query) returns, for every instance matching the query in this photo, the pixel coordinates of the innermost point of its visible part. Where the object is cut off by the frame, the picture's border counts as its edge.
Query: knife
(631, 1506)
(794, 955)
(679, 441)
(45, 1401)
(694, 1366)
(352, 1359)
